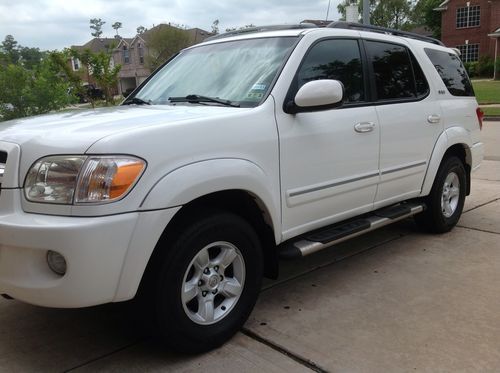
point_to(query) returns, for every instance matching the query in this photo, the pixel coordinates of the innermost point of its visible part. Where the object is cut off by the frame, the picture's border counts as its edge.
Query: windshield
(238, 71)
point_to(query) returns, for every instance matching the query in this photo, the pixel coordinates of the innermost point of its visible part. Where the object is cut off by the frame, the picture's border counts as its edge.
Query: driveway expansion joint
(302, 361)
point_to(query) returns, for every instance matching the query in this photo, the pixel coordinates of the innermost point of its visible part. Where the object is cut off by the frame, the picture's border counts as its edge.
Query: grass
(491, 111)
(487, 91)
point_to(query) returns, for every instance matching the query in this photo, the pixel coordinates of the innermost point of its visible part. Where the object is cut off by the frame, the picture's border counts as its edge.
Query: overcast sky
(55, 24)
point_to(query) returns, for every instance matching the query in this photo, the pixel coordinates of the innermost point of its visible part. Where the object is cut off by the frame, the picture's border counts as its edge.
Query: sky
(56, 24)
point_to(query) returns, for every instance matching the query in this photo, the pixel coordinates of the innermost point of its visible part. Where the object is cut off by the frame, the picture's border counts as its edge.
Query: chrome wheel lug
(206, 271)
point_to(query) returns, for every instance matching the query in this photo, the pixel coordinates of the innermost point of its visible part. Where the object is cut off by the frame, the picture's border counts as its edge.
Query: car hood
(75, 131)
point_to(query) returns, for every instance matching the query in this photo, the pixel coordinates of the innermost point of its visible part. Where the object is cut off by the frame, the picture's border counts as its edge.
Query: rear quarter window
(451, 71)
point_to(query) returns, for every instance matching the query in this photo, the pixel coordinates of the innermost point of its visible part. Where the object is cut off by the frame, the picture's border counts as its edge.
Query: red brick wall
(490, 21)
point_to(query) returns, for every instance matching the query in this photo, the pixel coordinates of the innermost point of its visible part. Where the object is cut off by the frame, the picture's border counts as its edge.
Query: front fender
(189, 182)
(450, 137)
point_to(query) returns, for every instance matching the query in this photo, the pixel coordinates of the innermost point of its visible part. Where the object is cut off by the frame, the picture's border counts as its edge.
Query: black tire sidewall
(441, 222)
(175, 327)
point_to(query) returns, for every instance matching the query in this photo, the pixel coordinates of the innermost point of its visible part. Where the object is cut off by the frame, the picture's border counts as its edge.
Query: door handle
(364, 127)
(434, 118)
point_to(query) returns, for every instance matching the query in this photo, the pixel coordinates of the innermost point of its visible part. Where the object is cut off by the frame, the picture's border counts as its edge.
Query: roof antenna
(328, 10)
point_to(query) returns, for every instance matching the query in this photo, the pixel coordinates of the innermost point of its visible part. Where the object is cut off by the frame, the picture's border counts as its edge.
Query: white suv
(268, 142)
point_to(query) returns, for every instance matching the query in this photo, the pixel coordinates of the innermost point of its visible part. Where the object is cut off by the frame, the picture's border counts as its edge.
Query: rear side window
(452, 72)
(338, 59)
(394, 73)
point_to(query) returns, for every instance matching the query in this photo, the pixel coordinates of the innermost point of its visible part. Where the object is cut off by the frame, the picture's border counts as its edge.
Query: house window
(76, 64)
(469, 52)
(468, 16)
(140, 50)
(126, 55)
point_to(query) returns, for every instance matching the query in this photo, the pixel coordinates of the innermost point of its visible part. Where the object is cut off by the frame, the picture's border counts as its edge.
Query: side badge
(441, 92)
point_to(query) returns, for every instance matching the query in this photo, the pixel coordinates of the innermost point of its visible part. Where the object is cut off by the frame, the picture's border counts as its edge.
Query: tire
(445, 203)
(207, 262)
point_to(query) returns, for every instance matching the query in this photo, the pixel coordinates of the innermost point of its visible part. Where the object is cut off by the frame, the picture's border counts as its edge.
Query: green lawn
(487, 91)
(491, 111)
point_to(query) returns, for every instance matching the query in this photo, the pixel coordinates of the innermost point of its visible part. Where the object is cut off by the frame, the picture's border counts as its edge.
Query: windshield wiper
(196, 99)
(137, 101)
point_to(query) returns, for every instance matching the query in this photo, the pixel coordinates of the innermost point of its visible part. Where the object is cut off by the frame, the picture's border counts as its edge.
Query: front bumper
(94, 248)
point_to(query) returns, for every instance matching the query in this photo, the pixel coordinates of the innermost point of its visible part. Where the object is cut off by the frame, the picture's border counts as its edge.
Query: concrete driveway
(393, 300)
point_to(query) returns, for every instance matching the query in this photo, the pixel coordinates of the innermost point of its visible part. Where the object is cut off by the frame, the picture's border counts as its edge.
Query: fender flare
(451, 136)
(189, 182)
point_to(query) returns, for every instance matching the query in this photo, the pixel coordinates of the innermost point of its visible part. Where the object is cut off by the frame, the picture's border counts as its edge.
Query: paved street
(393, 300)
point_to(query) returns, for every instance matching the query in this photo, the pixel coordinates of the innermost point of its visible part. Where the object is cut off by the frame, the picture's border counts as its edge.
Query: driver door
(329, 158)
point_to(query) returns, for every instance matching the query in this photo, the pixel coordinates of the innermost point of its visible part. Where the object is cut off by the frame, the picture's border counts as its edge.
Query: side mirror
(318, 95)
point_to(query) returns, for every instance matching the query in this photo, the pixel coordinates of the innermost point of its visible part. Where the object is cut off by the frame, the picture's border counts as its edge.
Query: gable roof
(96, 45)
(442, 6)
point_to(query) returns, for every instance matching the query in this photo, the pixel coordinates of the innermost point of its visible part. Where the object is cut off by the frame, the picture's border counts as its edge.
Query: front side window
(392, 70)
(241, 71)
(469, 16)
(452, 72)
(469, 52)
(338, 59)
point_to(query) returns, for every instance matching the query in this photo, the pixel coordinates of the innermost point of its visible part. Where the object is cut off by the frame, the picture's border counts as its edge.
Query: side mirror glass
(319, 94)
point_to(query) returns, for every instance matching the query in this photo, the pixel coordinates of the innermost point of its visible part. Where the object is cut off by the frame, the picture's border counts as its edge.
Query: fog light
(56, 262)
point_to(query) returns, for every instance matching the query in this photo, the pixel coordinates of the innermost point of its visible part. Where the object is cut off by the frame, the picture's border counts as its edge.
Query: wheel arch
(454, 141)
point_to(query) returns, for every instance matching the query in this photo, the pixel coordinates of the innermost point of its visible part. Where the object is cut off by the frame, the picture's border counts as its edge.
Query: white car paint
(307, 170)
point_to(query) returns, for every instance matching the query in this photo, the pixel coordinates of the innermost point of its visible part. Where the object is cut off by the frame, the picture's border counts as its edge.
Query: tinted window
(335, 59)
(392, 70)
(452, 72)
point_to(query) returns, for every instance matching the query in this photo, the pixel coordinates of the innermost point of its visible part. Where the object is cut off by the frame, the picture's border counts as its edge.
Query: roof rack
(383, 30)
(262, 29)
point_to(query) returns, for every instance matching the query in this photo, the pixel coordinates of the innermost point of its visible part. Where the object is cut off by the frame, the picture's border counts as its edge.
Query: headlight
(82, 179)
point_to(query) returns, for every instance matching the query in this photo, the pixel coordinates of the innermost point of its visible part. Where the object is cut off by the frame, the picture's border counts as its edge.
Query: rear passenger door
(409, 116)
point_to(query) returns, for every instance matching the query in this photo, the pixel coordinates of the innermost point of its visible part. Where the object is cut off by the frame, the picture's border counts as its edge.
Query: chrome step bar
(378, 219)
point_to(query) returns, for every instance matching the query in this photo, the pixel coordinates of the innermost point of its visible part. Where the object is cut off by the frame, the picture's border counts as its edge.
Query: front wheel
(446, 200)
(209, 283)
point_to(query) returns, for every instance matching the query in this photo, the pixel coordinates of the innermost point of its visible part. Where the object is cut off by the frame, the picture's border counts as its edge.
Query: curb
(492, 119)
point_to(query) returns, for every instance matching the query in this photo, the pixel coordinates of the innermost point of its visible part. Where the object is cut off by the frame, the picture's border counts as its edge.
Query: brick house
(467, 25)
(131, 54)
(95, 45)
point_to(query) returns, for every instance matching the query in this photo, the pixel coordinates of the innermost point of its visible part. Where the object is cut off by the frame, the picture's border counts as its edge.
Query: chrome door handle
(364, 127)
(434, 118)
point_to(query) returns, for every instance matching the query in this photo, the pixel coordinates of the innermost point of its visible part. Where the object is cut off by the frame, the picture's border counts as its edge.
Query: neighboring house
(466, 25)
(132, 55)
(95, 45)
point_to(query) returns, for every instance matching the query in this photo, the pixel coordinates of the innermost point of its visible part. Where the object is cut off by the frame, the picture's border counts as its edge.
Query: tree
(116, 26)
(104, 72)
(215, 27)
(10, 49)
(29, 92)
(164, 42)
(385, 13)
(141, 30)
(96, 25)
(425, 15)
(394, 14)
(31, 57)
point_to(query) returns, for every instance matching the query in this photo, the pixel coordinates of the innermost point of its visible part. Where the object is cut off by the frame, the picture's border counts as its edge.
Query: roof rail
(383, 30)
(261, 29)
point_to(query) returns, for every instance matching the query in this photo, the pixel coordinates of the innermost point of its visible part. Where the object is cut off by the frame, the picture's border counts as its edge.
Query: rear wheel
(446, 200)
(208, 283)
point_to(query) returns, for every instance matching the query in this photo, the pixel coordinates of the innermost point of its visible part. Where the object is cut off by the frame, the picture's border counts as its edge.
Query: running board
(337, 233)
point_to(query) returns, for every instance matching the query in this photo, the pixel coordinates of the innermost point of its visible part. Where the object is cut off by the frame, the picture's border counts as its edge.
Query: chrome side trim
(391, 170)
(331, 185)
